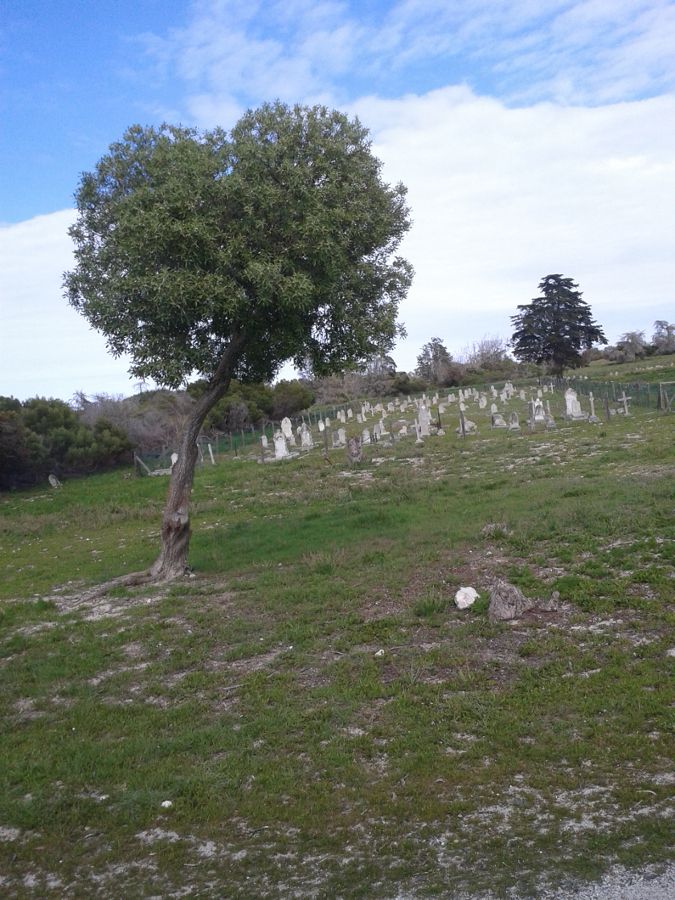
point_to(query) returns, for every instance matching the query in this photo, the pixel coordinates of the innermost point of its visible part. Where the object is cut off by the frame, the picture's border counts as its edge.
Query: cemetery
(425, 647)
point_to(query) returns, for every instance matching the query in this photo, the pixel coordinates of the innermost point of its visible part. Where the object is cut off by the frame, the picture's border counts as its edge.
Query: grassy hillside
(322, 719)
(650, 370)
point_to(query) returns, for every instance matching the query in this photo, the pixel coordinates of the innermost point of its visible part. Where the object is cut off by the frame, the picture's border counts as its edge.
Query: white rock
(166, 804)
(465, 597)
(380, 653)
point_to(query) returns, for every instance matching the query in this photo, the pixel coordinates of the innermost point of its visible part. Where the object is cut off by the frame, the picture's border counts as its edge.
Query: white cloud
(591, 51)
(47, 349)
(500, 197)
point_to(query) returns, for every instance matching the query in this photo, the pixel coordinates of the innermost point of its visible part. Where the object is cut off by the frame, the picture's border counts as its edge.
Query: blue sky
(535, 136)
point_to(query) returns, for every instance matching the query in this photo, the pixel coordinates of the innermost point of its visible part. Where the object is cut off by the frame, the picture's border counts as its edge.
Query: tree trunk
(173, 557)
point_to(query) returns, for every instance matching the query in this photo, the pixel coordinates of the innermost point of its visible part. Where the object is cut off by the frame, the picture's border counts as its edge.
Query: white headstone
(424, 418)
(365, 436)
(572, 406)
(280, 445)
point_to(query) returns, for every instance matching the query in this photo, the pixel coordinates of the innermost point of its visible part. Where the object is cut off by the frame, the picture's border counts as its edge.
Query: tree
(487, 353)
(555, 328)
(630, 346)
(434, 364)
(227, 255)
(663, 339)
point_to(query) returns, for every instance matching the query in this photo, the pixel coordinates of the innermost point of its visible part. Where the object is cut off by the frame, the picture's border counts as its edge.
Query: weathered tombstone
(280, 445)
(174, 458)
(359, 419)
(538, 411)
(493, 408)
(322, 427)
(466, 426)
(424, 419)
(592, 418)
(306, 441)
(342, 436)
(418, 433)
(287, 429)
(522, 394)
(624, 400)
(365, 436)
(482, 401)
(350, 413)
(514, 423)
(572, 406)
(549, 421)
(264, 442)
(327, 422)
(540, 393)
(497, 421)
(403, 431)
(54, 482)
(441, 409)
(354, 454)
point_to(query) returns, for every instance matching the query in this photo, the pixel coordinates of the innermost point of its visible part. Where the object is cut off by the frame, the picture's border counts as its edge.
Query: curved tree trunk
(172, 560)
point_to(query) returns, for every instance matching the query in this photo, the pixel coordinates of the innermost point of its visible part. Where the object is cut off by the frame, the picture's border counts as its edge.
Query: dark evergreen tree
(555, 328)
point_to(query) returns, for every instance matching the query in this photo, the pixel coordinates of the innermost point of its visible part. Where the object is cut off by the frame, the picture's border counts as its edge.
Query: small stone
(552, 604)
(379, 653)
(166, 804)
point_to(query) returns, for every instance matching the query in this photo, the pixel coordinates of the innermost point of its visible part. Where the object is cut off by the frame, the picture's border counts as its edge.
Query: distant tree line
(40, 436)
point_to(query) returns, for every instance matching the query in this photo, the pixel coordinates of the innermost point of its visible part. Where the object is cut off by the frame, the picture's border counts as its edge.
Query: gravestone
(54, 481)
(287, 430)
(321, 426)
(280, 445)
(306, 441)
(365, 436)
(514, 422)
(403, 431)
(350, 413)
(573, 408)
(264, 443)
(469, 427)
(354, 454)
(592, 418)
(538, 411)
(482, 401)
(493, 408)
(498, 421)
(424, 419)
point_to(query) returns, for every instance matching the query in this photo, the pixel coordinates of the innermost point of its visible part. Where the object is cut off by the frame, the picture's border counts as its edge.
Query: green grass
(322, 718)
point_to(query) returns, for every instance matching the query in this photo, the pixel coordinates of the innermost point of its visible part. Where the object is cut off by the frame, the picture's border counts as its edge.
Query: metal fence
(643, 394)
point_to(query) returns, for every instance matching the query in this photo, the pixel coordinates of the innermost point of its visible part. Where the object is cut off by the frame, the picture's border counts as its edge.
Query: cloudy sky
(535, 137)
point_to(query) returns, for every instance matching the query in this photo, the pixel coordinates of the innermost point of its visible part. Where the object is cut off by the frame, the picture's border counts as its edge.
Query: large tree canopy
(228, 254)
(278, 237)
(553, 329)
